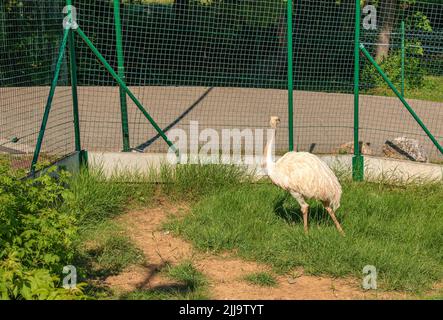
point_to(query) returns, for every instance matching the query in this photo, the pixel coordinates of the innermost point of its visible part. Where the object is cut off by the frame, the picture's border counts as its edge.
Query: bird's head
(275, 121)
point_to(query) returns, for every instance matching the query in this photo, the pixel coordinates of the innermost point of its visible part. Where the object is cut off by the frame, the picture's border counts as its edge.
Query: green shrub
(414, 71)
(36, 238)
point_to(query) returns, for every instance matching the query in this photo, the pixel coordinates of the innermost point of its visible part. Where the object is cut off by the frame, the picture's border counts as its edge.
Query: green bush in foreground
(36, 238)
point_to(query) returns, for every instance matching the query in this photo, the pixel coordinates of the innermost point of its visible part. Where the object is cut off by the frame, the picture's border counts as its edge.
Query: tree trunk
(388, 16)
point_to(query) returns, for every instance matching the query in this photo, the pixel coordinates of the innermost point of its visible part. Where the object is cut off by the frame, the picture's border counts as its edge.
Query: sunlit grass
(431, 91)
(263, 279)
(191, 285)
(399, 230)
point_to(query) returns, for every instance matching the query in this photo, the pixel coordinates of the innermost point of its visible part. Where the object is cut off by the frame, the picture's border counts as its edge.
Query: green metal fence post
(41, 133)
(290, 78)
(403, 57)
(125, 88)
(402, 99)
(357, 160)
(73, 71)
(121, 73)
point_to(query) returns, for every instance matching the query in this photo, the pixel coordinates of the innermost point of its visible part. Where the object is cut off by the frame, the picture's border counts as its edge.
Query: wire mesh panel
(100, 118)
(406, 39)
(221, 64)
(30, 36)
(217, 65)
(323, 74)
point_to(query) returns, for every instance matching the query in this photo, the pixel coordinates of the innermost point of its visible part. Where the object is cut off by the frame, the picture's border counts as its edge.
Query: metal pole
(290, 78)
(121, 73)
(126, 89)
(403, 57)
(357, 160)
(41, 133)
(73, 71)
(402, 99)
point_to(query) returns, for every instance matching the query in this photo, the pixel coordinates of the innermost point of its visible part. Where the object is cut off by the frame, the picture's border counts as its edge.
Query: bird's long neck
(268, 153)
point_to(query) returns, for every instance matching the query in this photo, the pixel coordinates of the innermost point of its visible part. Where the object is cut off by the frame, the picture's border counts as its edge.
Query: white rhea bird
(305, 176)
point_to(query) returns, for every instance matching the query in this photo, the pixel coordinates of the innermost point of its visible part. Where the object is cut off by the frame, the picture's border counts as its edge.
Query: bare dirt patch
(224, 272)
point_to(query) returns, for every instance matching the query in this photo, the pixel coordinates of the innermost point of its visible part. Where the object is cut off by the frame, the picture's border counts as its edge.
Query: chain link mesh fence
(30, 34)
(414, 30)
(223, 64)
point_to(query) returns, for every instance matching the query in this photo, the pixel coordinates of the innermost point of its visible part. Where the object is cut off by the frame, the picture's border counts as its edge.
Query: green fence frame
(401, 97)
(290, 77)
(121, 73)
(357, 160)
(48, 106)
(73, 73)
(68, 34)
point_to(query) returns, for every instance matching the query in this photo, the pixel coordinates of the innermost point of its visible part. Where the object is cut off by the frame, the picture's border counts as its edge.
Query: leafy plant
(17, 282)
(36, 238)
(414, 72)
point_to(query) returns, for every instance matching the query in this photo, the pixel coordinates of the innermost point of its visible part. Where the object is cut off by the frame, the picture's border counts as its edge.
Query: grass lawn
(193, 286)
(431, 91)
(399, 230)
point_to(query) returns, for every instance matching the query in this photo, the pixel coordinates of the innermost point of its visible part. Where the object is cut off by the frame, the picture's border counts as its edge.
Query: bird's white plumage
(306, 174)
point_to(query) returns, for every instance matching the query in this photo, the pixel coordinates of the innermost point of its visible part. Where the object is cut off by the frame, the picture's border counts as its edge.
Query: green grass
(187, 274)
(105, 249)
(96, 198)
(192, 182)
(431, 91)
(397, 229)
(192, 285)
(263, 279)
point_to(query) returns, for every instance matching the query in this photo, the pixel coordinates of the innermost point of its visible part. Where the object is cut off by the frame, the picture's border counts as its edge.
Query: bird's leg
(337, 224)
(304, 208)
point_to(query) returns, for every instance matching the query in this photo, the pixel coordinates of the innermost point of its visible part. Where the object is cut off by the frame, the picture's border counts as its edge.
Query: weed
(263, 279)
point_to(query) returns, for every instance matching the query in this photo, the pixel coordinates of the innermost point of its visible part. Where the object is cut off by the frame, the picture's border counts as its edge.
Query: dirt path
(224, 272)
